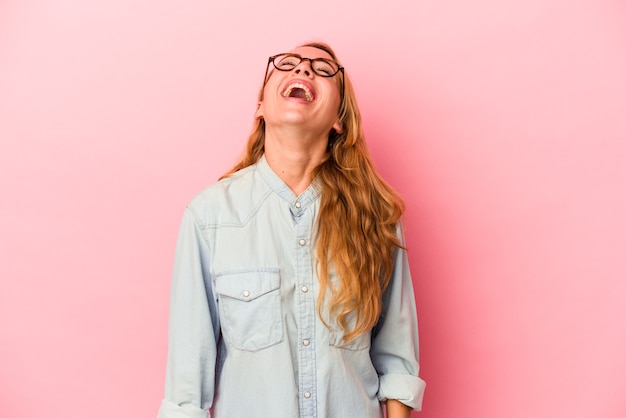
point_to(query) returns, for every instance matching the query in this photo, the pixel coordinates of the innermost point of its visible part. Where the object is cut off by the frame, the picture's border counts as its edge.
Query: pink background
(502, 124)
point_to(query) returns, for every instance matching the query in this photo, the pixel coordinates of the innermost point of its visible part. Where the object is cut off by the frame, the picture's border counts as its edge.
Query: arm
(193, 329)
(394, 349)
(396, 409)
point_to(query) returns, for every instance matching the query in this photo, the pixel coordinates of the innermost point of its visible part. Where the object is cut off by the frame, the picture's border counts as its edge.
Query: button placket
(306, 311)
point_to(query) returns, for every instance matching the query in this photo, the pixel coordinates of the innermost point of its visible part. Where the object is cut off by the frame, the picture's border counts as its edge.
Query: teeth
(307, 92)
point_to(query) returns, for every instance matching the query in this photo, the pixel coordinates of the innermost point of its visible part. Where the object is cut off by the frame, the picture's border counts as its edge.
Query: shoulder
(231, 201)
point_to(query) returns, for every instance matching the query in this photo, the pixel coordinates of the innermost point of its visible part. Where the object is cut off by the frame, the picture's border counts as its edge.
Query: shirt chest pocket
(361, 342)
(250, 308)
(336, 333)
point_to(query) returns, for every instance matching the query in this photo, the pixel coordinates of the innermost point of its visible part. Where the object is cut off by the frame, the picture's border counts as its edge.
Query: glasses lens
(286, 62)
(324, 68)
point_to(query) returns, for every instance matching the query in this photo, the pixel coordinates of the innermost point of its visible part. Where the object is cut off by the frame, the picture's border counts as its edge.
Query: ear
(338, 127)
(259, 111)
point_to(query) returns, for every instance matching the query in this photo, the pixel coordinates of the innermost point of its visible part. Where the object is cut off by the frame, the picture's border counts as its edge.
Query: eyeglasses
(322, 67)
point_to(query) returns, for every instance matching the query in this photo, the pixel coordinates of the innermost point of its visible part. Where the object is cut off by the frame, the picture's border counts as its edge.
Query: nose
(304, 67)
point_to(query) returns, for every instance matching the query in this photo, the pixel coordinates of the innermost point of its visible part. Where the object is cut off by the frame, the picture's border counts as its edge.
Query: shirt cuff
(402, 387)
(171, 410)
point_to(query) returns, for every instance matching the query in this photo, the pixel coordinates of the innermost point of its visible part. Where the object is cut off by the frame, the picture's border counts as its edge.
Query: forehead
(311, 52)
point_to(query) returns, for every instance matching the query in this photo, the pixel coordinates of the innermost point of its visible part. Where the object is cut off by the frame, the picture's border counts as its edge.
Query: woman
(291, 294)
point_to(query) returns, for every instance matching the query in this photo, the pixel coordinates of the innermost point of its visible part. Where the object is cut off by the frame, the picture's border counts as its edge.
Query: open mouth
(300, 91)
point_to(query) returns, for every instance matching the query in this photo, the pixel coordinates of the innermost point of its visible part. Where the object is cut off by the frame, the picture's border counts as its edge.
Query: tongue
(298, 92)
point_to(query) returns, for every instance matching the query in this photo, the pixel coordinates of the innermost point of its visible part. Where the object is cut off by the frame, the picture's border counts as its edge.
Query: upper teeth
(307, 92)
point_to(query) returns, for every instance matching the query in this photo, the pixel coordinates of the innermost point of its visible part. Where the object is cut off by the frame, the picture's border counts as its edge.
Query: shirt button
(302, 242)
(246, 293)
(298, 204)
(307, 395)
(304, 289)
(306, 342)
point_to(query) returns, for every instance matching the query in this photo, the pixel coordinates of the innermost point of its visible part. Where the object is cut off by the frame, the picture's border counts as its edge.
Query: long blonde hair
(357, 223)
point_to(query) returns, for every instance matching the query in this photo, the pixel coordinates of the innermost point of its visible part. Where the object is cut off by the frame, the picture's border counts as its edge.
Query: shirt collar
(280, 188)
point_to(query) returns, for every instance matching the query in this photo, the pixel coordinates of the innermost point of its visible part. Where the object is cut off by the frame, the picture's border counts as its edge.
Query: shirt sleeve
(193, 328)
(395, 350)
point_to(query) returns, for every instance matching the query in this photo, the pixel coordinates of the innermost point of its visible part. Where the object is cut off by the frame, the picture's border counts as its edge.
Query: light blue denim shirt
(245, 339)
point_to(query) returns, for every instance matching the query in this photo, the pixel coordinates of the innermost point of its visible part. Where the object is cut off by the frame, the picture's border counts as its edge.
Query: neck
(294, 155)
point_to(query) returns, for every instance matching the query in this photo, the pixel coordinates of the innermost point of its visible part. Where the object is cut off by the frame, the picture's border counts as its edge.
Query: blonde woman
(292, 295)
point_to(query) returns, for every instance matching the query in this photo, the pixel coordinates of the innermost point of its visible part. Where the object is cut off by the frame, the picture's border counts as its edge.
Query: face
(300, 97)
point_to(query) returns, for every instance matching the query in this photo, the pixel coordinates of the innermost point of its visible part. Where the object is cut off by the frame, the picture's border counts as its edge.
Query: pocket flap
(248, 285)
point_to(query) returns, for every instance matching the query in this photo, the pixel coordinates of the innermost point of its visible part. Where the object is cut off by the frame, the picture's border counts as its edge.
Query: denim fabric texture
(245, 339)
